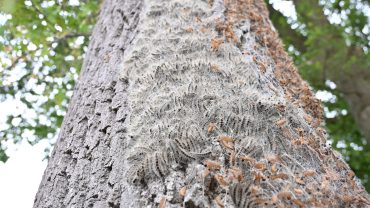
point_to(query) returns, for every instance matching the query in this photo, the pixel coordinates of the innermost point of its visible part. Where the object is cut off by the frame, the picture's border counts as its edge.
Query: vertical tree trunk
(192, 103)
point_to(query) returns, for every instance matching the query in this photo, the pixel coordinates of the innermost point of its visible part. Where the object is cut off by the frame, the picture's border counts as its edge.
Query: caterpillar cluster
(186, 142)
(179, 149)
(192, 87)
(242, 194)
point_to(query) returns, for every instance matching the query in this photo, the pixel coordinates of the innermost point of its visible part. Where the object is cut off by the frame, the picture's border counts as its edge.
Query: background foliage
(321, 38)
(42, 46)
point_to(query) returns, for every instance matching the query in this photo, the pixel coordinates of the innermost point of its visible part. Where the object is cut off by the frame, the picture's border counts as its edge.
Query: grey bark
(179, 104)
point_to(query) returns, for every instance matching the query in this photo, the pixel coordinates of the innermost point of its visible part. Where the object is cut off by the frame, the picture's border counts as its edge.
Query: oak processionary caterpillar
(188, 89)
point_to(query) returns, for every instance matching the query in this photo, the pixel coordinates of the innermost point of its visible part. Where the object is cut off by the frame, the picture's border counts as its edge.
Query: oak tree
(195, 104)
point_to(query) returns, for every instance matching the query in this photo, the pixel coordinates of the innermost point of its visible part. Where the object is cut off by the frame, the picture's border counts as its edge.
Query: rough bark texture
(192, 103)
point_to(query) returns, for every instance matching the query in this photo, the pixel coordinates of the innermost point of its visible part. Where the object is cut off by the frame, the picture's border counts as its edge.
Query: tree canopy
(42, 47)
(43, 43)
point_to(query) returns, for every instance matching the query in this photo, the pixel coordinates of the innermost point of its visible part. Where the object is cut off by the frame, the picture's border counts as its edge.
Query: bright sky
(20, 176)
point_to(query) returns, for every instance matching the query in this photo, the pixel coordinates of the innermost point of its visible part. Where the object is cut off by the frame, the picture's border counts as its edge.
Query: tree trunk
(196, 104)
(355, 88)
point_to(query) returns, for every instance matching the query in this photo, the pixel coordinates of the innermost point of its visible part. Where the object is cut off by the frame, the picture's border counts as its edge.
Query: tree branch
(285, 30)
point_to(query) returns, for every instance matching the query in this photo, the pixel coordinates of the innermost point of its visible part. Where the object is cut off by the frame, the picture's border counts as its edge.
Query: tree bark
(196, 104)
